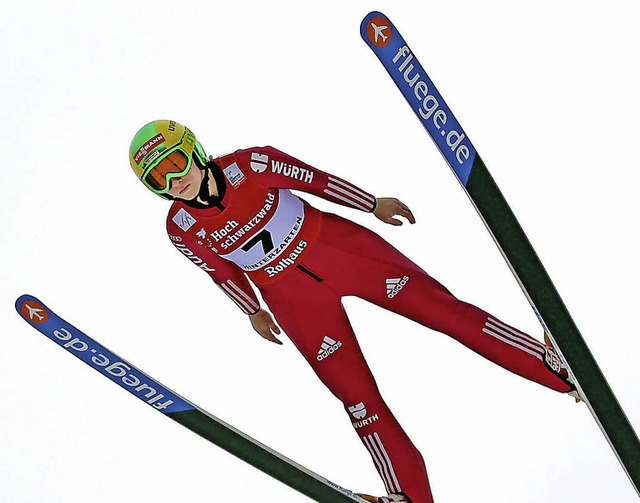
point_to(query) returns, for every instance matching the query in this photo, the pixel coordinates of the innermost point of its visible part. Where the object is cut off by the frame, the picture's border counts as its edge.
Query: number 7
(264, 237)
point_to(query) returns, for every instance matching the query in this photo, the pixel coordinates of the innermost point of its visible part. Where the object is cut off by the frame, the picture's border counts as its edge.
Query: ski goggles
(174, 164)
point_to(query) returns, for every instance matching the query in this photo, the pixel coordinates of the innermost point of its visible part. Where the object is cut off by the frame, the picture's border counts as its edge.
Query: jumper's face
(184, 187)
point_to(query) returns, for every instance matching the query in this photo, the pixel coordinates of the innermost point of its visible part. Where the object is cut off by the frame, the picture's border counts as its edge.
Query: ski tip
(369, 18)
(32, 310)
(376, 29)
(20, 300)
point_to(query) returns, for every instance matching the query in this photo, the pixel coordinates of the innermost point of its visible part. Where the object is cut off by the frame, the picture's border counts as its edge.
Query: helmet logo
(190, 139)
(144, 150)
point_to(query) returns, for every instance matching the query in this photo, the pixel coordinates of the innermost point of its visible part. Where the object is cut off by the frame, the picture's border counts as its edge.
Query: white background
(548, 94)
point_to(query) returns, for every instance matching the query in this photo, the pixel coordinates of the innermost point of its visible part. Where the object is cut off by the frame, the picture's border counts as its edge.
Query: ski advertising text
(405, 70)
(98, 357)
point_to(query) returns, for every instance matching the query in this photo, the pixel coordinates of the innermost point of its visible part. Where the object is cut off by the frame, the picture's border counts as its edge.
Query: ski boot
(555, 363)
(392, 498)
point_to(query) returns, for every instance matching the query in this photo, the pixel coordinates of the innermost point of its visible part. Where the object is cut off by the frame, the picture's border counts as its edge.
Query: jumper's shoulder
(257, 153)
(256, 161)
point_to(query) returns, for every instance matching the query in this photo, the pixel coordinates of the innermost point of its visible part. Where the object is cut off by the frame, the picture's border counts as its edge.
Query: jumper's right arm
(229, 277)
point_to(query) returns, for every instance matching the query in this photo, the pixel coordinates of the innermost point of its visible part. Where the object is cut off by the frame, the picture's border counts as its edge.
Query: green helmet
(154, 143)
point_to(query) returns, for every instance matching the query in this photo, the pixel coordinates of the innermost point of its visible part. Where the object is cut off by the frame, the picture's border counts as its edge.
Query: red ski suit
(304, 261)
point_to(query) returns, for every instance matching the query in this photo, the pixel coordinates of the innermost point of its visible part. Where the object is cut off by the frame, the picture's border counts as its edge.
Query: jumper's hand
(388, 207)
(263, 323)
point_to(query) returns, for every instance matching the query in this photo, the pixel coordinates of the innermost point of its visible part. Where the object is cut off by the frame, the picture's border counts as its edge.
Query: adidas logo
(394, 285)
(328, 347)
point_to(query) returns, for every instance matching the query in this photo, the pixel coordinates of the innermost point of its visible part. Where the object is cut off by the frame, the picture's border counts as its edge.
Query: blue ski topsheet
(101, 359)
(423, 97)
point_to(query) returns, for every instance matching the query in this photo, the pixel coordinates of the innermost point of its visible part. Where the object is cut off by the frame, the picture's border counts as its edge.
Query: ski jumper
(304, 261)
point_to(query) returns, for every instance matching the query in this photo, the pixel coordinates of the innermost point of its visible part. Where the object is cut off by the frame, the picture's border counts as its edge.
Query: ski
(410, 77)
(179, 409)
